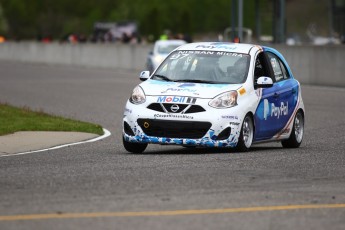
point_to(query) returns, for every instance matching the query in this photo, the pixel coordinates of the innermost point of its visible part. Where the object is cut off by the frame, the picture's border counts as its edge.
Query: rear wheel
(296, 135)
(246, 136)
(134, 147)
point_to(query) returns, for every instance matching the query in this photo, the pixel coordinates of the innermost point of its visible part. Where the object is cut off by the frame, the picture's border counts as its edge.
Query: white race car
(216, 95)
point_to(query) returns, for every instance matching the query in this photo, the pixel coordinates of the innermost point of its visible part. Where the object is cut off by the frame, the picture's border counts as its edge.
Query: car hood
(202, 90)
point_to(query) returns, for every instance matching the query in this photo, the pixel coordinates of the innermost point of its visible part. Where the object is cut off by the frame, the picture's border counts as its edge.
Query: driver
(216, 73)
(238, 72)
(208, 69)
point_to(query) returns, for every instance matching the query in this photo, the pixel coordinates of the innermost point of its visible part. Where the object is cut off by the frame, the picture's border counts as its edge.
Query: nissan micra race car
(216, 95)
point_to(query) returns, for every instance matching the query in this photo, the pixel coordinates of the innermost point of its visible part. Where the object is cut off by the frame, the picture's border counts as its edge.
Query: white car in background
(160, 51)
(216, 95)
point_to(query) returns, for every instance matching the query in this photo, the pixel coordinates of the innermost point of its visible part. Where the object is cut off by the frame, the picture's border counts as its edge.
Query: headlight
(138, 96)
(224, 100)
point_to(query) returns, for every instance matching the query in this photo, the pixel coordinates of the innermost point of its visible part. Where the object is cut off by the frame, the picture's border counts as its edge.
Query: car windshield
(204, 67)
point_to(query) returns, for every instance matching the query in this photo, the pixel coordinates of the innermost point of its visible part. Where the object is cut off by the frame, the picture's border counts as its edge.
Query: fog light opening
(128, 129)
(224, 134)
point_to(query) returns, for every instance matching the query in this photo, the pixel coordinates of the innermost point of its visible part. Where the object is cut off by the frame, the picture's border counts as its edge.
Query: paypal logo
(217, 46)
(180, 90)
(275, 111)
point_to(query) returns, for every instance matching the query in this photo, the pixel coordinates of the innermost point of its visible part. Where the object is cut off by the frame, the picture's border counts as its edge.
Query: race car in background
(216, 95)
(160, 51)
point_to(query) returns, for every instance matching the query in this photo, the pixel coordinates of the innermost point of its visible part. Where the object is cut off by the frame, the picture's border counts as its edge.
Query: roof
(220, 46)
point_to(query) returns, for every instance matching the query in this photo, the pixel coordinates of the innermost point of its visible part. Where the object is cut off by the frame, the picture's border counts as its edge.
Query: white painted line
(105, 135)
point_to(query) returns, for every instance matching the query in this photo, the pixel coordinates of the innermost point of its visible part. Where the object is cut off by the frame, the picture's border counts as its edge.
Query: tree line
(27, 19)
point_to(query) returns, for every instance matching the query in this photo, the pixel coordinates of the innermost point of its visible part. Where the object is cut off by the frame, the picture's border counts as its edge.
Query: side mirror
(264, 82)
(144, 75)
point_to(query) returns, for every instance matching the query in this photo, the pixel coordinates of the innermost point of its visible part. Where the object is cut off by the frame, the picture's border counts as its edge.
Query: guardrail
(317, 65)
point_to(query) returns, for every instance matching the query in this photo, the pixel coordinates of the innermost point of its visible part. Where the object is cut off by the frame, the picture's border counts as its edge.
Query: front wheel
(246, 136)
(134, 147)
(296, 135)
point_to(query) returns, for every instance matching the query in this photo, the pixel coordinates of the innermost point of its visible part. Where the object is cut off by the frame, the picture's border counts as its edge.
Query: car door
(278, 102)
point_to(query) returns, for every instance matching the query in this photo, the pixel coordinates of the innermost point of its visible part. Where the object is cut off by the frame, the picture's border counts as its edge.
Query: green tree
(28, 19)
(3, 22)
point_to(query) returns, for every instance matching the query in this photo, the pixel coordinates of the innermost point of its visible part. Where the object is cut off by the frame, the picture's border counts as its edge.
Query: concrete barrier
(317, 65)
(93, 55)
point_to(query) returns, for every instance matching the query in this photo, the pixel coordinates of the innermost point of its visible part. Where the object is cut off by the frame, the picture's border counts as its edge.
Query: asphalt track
(100, 186)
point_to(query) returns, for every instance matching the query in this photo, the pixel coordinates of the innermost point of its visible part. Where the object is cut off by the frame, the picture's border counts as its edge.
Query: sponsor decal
(194, 52)
(235, 123)
(229, 54)
(217, 46)
(176, 99)
(274, 110)
(182, 54)
(179, 55)
(177, 116)
(279, 111)
(179, 90)
(230, 117)
(242, 91)
(191, 100)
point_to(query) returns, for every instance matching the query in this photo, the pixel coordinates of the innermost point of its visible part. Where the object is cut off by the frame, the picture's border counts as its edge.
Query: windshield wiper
(162, 77)
(197, 81)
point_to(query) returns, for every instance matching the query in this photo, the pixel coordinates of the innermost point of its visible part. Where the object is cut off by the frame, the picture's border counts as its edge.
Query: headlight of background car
(138, 96)
(158, 59)
(224, 100)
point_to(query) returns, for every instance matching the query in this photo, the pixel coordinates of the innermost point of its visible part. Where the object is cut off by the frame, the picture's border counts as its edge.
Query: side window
(260, 67)
(278, 67)
(285, 72)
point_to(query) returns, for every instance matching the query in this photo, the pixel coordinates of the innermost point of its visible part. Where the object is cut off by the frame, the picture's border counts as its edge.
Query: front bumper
(209, 128)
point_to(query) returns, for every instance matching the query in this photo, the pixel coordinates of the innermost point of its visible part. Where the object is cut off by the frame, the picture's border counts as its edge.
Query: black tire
(246, 135)
(134, 147)
(297, 132)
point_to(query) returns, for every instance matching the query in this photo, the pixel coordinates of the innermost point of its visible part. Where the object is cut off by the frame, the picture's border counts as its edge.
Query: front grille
(195, 109)
(156, 107)
(174, 129)
(181, 107)
(169, 107)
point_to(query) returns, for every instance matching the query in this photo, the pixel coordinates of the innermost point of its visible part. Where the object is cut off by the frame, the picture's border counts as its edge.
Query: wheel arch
(302, 111)
(251, 114)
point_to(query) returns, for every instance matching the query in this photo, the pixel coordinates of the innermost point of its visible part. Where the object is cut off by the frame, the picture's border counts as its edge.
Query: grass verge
(13, 119)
